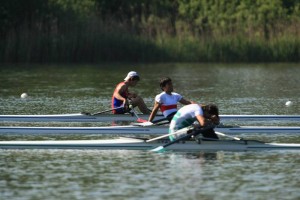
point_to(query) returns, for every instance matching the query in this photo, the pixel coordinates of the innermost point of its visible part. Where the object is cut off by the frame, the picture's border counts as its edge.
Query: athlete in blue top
(121, 95)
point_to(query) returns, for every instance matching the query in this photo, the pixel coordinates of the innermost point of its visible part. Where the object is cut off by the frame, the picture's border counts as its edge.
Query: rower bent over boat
(187, 115)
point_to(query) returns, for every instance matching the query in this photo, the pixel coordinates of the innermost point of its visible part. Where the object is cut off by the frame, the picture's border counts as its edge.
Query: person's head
(211, 111)
(166, 84)
(133, 77)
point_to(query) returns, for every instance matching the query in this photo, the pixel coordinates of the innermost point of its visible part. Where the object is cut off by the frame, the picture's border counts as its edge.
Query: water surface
(94, 174)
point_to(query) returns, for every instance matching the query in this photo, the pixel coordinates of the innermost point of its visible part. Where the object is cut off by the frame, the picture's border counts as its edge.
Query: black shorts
(170, 116)
(119, 111)
(209, 133)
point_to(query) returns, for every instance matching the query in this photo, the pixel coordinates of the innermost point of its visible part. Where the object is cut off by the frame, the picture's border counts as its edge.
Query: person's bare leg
(139, 102)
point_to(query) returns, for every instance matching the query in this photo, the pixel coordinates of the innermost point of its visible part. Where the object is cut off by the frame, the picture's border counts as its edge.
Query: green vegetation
(93, 31)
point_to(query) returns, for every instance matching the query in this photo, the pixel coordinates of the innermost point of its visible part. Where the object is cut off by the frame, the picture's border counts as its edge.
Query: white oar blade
(143, 124)
(147, 123)
(236, 138)
(157, 149)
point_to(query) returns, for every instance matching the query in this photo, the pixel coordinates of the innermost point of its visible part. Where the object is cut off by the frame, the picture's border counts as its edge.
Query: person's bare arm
(154, 111)
(118, 92)
(201, 120)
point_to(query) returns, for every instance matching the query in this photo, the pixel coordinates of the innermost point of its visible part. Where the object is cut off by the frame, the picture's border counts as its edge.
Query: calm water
(93, 174)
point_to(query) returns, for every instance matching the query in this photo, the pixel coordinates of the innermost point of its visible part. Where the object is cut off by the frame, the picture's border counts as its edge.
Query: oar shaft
(182, 138)
(133, 111)
(105, 111)
(222, 134)
(179, 139)
(184, 130)
(136, 115)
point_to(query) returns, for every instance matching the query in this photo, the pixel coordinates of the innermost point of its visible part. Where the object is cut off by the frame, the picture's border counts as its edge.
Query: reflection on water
(94, 174)
(138, 174)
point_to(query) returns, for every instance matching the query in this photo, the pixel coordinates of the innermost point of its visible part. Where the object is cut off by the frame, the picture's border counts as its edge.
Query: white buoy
(24, 95)
(288, 103)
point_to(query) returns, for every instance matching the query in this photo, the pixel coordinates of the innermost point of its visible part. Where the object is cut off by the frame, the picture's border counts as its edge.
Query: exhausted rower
(167, 100)
(121, 95)
(206, 115)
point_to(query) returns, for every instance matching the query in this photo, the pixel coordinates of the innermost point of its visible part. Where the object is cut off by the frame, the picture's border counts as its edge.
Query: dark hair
(211, 109)
(164, 81)
(135, 78)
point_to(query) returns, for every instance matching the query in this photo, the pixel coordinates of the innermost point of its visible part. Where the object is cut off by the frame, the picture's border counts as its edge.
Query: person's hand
(126, 105)
(197, 126)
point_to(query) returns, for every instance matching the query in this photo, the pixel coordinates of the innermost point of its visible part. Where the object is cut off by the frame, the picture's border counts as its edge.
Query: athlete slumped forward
(206, 115)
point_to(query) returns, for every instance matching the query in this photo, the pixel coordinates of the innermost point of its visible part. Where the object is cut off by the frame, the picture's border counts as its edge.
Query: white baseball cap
(130, 75)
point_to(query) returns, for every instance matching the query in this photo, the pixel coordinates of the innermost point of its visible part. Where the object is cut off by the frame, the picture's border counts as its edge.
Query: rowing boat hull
(78, 117)
(131, 129)
(138, 144)
(86, 130)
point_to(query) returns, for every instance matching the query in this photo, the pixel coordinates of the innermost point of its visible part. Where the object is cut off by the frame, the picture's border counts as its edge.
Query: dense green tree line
(149, 30)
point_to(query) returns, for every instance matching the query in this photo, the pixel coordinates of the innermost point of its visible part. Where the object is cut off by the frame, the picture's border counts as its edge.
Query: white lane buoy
(24, 95)
(288, 103)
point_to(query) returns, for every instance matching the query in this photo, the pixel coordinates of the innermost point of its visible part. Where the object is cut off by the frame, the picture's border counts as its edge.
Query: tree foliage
(51, 25)
(198, 16)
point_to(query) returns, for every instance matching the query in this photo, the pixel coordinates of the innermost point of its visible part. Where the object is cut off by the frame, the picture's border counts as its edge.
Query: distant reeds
(169, 34)
(85, 46)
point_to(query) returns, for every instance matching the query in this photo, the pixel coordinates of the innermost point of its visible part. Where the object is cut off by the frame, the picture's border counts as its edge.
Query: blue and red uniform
(115, 103)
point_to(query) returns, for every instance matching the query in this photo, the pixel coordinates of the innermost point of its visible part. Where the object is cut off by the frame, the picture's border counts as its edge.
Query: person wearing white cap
(121, 95)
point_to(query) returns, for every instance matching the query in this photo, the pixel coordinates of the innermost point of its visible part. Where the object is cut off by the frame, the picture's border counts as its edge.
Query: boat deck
(79, 117)
(139, 144)
(132, 129)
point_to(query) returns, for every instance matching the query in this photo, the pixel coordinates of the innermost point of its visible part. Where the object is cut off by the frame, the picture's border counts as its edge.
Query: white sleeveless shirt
(168, 102)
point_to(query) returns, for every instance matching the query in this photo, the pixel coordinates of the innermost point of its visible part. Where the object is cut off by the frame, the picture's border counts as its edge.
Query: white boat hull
(86, 130)
(138, 144)
(131, 129)
(78, 117)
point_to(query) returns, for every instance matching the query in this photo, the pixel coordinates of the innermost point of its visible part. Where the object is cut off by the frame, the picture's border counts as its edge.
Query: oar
(105, 111)
(136, 115)
(222, 134)
(160, 148)
(183, 130)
